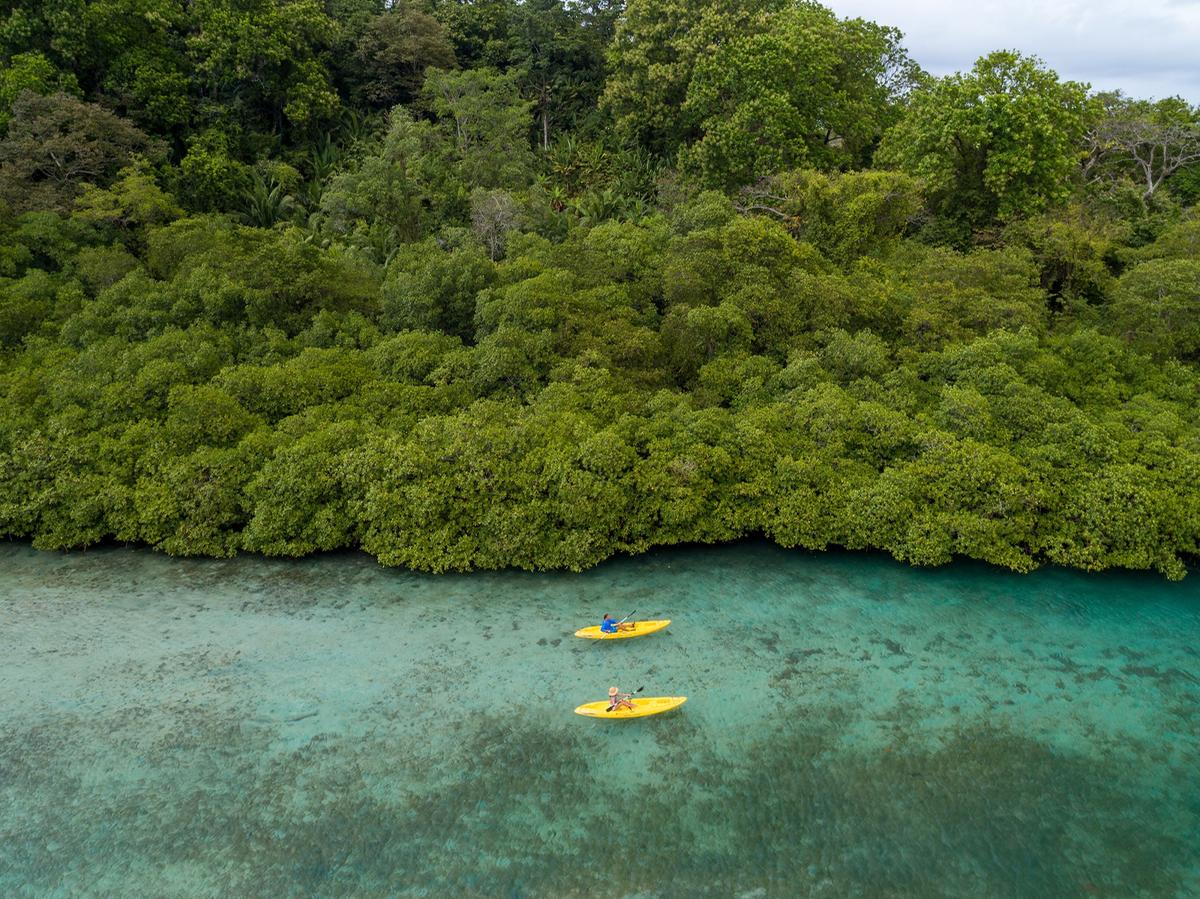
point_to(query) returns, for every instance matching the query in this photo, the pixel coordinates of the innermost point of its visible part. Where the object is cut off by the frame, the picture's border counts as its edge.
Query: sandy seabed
(855, 728)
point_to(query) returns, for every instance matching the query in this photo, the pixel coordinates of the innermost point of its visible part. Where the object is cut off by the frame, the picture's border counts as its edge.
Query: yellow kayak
(642, 628)
(651, 705)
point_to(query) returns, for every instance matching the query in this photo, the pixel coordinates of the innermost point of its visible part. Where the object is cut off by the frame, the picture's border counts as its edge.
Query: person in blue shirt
(610, 625)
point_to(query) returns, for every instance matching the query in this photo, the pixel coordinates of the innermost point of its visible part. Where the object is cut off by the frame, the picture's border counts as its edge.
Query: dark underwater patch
(519, 810)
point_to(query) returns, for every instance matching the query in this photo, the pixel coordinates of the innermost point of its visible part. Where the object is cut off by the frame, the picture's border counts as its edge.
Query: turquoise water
(854, 728)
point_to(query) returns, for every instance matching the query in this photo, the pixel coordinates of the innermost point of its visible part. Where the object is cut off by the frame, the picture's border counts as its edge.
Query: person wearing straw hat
(619, 700)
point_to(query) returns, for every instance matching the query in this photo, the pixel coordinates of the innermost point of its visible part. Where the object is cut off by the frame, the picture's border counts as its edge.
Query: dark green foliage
(248, 303)
(1157, 307)
(427, 287)
(393, 51)
(56, 144)
(34, 73)
(998, 142)
(383, 199)
(485, 122)
(847, 215)
(806, 88)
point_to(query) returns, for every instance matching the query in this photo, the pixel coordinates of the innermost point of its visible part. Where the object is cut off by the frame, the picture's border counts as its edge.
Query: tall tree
(494, 215)
(58, 143)
(845, 215)
(656, 47)
(479, 29)
(259, 62)
(999, 141)
(484, 116)
(808, 88)
(380, 202)
(394, 50)
(559, 72)
(136, 54)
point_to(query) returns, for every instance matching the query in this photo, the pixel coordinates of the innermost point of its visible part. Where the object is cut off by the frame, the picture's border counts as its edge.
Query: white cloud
(1147, 48)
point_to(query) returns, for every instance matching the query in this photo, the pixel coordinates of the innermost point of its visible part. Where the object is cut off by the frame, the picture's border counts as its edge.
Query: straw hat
(612, 691)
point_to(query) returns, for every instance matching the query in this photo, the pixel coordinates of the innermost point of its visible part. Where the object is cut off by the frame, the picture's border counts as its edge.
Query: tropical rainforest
(489, 283)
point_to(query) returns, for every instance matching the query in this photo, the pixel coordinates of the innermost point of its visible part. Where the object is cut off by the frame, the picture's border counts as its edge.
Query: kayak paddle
(619, 623)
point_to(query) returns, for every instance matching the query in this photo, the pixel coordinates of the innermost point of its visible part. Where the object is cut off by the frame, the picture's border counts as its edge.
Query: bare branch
(1129, 136)
(757, 207)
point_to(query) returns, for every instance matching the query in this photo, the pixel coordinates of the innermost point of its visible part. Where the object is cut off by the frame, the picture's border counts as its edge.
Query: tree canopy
(494, 283)
(999, 141)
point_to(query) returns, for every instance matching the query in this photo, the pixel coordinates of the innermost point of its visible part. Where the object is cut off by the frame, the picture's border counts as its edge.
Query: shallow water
(854, 728)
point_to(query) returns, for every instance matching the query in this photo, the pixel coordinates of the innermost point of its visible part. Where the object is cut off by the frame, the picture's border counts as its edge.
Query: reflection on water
(854, 728)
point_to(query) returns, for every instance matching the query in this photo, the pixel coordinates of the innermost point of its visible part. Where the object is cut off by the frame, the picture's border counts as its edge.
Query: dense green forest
(499, 283)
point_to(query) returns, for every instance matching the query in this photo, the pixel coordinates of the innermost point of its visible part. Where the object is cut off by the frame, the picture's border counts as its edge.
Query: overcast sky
(1148, 48)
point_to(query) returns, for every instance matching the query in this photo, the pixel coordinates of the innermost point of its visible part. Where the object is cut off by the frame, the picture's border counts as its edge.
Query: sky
(1147, 48)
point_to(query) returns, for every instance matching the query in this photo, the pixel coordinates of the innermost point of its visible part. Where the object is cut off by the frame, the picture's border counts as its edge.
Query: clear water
(854, 728)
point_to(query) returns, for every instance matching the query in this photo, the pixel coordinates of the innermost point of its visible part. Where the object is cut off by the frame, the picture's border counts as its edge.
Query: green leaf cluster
(500, 283)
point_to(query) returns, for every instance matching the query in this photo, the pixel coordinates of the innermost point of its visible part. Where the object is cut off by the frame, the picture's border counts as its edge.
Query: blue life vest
(608, 626)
